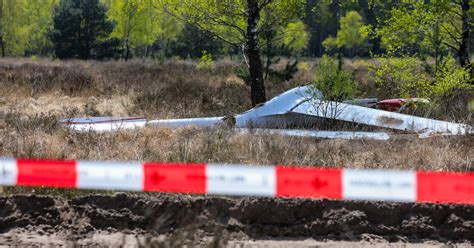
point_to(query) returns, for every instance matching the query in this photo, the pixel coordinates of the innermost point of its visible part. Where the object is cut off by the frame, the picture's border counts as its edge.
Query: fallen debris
(199, 122)
(298, 103)
(103, 124)
(317, 134)
(296, 107)
(401, 104)
(364, 102)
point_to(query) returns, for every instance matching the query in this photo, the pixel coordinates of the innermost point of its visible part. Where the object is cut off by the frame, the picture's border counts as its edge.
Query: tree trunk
(252, 51)
(3, 46)
(127, 49)
(1, 29)
(463, 52)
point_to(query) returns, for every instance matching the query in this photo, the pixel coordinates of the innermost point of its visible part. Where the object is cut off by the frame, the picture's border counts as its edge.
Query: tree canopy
(242, 24)
(24, 26)
(166, 28)
(351, 35)
(139, 24)
(309, 27)
(80, 29)
(257, 32)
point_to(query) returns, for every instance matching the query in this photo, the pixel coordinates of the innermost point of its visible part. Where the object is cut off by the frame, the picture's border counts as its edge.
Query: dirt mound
(191, 219)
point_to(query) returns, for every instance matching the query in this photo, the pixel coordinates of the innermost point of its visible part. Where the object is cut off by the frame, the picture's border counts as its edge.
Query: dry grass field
(35, 94)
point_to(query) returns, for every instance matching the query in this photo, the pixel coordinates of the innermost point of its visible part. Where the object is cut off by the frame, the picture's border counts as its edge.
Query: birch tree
(239, 23)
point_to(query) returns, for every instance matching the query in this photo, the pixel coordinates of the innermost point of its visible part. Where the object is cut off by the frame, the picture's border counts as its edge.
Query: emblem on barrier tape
(388, 185)
(235, 180)
(102, 175)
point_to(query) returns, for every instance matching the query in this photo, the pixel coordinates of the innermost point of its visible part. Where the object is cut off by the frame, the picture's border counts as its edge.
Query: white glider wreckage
(302, 107)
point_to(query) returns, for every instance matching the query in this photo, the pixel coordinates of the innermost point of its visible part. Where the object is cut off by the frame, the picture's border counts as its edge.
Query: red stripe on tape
(46, 173)
(172, 177)
(447, 187)
(309, 182)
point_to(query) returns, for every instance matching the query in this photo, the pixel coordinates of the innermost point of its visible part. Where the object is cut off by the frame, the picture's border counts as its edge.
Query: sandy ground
(119, 239)
(158, 220)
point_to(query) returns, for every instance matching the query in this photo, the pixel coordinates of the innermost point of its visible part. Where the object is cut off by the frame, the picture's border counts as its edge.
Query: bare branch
(218, 21)
(451, 46)
(453, 36)
(198, 25)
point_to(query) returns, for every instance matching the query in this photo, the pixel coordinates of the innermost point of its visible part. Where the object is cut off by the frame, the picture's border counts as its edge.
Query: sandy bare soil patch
(167, 220)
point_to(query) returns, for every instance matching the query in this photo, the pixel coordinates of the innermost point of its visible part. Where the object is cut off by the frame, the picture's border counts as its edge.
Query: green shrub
(243, 73)
(401, 77)
(335, 84)
(205, 62)
(304, 67)
(406, 77)
(450, 79)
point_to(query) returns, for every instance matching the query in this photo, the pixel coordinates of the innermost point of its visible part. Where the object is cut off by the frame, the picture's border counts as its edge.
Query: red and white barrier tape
(276, 181)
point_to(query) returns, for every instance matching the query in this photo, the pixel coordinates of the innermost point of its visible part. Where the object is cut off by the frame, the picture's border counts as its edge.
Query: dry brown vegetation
(35, 94)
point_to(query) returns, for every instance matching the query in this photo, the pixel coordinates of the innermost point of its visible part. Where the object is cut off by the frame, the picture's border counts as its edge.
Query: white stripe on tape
(387, 185)
(117, 176)
(241, 180)
(8, 172)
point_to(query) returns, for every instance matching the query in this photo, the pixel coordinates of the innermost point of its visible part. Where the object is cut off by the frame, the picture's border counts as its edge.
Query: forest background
(422, 48)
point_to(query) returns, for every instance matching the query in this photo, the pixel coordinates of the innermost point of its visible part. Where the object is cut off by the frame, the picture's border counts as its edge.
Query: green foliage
(452, 78)
(273, 50)
(274, 76)
(401, 77)
(406, 77)
(191, 41)
(24, 26)
(227, 19)
(241, 23)
(295, 36)
(39, 22)
(209, 15)
(351, 35)
(330, 44)
(243, 73)
(14, 35)
(81, 30)
(335, 84)
(304, 67)
(286, 74)
(423, 30)
(139, 24)
(353, 32)
(322, 18)
(404, 30)
(205, 62)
